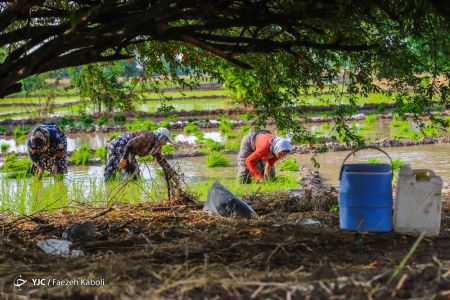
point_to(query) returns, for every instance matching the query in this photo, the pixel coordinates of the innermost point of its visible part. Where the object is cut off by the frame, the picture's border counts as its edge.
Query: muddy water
(435, 157)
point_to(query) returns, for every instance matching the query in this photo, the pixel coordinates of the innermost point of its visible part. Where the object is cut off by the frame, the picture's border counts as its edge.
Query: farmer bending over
(47, 148)
(122, 151)
(258, 153)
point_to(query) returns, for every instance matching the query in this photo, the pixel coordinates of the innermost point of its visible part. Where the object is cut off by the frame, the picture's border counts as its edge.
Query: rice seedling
(245, 129)
(113, 136)
(212, 146)
(86, 120)
(214, 160)
(141, 125)
(101, 153)
(167, 149)
(225, 126)
(4, 147)
(119, 118)
(199, 136)
(191, 129)
(81, 156)
(232, 145)
(102, 120)
(290, 164)
(370, 119)
(165, 123)
(66, 122)
(15, 164)
(18, 132)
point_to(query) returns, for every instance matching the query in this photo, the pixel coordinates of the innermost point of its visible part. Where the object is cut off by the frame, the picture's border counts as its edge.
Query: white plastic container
(418, 202)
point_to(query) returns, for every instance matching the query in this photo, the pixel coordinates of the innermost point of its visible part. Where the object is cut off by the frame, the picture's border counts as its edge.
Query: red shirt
(262, 144)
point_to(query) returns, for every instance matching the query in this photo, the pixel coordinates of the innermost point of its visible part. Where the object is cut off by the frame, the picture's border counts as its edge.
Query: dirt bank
(132, 115)
(151, 251)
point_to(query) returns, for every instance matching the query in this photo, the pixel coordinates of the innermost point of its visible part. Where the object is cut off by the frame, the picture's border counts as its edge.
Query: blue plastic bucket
(365, 196)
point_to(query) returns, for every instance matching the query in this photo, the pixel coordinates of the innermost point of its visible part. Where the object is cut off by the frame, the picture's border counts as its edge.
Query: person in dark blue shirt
(47, 148)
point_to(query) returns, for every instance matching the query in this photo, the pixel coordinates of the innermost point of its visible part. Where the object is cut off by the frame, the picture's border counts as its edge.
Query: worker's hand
(122, 163)
(260, 180)
(54, 169)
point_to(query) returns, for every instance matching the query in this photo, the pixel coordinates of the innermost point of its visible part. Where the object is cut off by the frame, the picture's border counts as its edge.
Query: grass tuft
(4, 147)
(81, 156)
(290, 164)
(15, 164)
(214, 160)
(101, 153)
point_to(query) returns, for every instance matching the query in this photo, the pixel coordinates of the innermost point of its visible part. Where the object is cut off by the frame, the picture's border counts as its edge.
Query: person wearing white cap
(258, 153)
(122, 151)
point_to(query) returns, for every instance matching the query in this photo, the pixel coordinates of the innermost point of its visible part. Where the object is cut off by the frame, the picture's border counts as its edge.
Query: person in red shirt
(258, 153)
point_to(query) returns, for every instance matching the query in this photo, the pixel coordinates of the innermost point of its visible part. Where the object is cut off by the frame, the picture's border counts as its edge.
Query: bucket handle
(362, 148)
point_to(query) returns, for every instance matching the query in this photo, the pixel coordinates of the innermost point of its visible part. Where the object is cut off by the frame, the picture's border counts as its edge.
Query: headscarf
(40, 137)
(279, 144)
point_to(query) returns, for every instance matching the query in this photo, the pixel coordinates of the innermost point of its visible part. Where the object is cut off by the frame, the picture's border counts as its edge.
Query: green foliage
(3, 128)
(101, 153)
(191, 129)
(118, 118)
(334, 208)
(245, 129)
(379, 108)
(101, 89)
(326, 126)
(370, 119)
(141, 125)
(113, 136)
(102, 120)
(165, 123)
(373, 160)
(18, 132)
(81, 156)
(290, 164)
(216, 159)
(199, 136)
(66, 122)
(212, 146)
(167, 149)
(396, 164)
(86, 120)
(145, 159)
(14, 164)
(232, 145)
(4, 147)
(226, 125)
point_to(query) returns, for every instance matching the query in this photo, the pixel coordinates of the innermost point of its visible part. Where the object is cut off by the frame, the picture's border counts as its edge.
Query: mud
(153, 251)
(132, 115)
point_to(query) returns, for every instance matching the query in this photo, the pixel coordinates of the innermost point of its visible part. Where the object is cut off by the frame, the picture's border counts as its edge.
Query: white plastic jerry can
(418, 202)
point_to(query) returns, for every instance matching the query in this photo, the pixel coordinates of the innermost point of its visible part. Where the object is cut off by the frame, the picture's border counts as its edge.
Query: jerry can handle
(362, 148)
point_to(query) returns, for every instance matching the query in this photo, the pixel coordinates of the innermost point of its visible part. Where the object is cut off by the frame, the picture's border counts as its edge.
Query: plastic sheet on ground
(58, 247)
(306, 221)
(225, 203)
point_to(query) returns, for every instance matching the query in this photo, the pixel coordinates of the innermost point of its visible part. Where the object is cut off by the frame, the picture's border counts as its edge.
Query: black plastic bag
(225, 203)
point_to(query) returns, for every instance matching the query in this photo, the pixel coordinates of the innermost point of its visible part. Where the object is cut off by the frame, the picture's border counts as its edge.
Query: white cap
(280, 144)
(165, 132)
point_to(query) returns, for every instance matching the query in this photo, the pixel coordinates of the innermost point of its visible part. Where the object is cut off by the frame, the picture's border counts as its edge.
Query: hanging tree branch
(48, 35)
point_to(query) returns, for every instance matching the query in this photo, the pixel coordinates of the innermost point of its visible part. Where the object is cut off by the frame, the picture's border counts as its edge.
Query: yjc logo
(18, 282)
